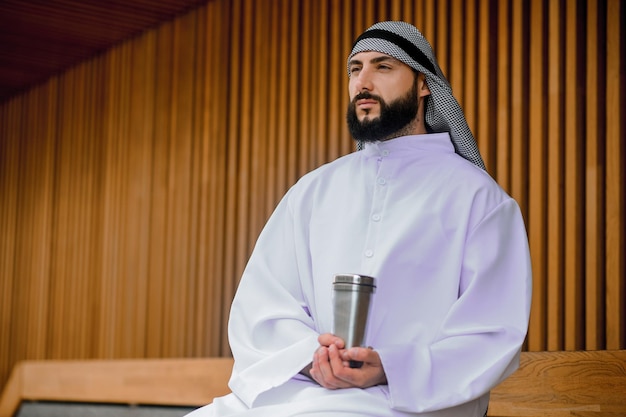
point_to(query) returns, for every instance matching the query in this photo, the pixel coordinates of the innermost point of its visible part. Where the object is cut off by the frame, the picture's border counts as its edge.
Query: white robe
(449, 251)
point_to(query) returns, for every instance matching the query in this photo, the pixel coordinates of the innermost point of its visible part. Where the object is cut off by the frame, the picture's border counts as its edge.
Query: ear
(422, 86)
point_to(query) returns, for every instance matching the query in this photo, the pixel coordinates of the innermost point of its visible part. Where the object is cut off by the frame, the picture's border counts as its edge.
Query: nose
(362, 81)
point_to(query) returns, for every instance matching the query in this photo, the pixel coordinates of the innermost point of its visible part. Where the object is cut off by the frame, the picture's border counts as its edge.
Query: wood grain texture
(565, 383)
(182, 382)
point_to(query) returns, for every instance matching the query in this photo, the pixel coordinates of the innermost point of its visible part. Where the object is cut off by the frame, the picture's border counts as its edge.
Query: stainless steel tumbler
(352, 294)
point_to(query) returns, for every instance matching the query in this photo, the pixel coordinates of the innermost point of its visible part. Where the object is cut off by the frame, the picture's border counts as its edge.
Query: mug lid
(354, 279)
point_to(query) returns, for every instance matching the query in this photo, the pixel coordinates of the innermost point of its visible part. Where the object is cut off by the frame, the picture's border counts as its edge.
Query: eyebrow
(375, 60)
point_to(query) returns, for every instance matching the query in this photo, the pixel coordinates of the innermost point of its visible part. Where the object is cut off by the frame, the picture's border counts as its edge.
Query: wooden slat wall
(134, 185)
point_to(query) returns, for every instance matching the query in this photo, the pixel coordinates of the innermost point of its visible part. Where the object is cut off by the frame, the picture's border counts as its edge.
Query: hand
(331, 365)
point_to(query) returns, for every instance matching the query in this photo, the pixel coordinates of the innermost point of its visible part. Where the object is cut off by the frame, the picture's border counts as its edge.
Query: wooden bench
(167, 382)
(560, 384)
(548, 384)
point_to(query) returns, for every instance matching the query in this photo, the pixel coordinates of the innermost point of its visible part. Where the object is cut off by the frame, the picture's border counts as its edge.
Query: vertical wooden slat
(442, 44)
(278, 127)
(504, 156)
(95, 245)
(106, 314)
(197, 215)
(537, 221)
(159, 185)
(473, 56)
(397, 11)
(484, 99)
(214, 118)
(574, 332)
(555, 180)
(243, 150)
(75, 161)
(237, 106)
(19, 332)
(61, 301)
(8, 191)
(256, 115)
(199, 287)
(270, 191)
(347, 29)
(214, 113)
(294, 90)
(334, 111)
(39, 242)
(347, 24)
(519, 110)
(78, 170)
(47, 132)
(122, 278)
(141, 132)
(382, 11)
(594, 174)
(307, 89)
(259, 113)
(73, 158)
(318, 35)
(321, 69)
(86, 172)
(24, 231)
(196, 221)
(615, 176)
(181, 148)
(454, 67)
(429, 22)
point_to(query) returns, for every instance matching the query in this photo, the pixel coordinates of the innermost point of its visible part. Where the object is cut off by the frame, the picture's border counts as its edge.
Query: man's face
(383, 96)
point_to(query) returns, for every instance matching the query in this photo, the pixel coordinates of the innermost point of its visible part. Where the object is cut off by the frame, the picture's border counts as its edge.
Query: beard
(394, 117)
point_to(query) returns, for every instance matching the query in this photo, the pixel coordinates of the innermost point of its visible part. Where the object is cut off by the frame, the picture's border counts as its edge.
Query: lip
(366, 103)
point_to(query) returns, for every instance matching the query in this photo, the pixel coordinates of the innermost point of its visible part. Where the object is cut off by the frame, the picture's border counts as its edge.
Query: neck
(415, 127)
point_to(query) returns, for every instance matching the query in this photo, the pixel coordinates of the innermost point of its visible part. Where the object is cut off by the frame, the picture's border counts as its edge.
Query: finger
(327, 339)
(337, 368)
(371, 373)
(322, 367)
(328, 379)
(335, 360)
(360, 354)
(315, 370)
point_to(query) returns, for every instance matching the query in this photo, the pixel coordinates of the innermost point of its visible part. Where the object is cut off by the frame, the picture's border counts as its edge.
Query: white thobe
(449, 251)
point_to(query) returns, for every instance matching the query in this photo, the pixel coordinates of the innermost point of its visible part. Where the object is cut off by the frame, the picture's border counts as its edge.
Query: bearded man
(413, 208)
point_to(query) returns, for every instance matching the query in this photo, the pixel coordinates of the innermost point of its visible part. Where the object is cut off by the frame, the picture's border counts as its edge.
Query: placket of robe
(376, 218)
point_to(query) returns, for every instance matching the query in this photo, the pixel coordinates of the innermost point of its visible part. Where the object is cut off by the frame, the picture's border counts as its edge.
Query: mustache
(366, 95)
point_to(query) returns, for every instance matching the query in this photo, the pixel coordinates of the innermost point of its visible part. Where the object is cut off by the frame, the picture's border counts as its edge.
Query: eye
(384, 67)
(354, 69)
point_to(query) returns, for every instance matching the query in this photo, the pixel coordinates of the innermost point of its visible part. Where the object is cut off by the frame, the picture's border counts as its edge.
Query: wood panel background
(133, 186)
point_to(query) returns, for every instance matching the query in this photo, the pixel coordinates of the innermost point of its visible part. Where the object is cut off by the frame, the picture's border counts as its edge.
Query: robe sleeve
(271, 332)
(479, 342)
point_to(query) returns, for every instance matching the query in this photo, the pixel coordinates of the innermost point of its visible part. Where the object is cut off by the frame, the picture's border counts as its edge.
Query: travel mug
(352, 294)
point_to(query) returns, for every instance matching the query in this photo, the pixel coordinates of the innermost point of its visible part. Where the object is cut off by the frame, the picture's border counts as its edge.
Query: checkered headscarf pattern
(404, 42)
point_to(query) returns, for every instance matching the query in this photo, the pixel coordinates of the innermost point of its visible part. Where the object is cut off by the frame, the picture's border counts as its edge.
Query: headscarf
(404, 42)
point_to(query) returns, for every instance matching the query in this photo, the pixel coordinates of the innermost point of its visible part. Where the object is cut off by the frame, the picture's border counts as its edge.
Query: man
(414, 209)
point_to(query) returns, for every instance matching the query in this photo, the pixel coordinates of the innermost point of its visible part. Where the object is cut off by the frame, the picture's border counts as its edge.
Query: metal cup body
(352, 294)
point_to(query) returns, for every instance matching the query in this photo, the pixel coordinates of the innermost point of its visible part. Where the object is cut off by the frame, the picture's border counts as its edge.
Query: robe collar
(408, 145)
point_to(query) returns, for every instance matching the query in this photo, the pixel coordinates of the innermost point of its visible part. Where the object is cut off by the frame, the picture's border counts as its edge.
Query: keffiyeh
(404, 42)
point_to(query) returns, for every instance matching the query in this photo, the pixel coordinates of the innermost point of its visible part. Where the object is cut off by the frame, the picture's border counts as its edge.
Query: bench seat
(547, 384)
